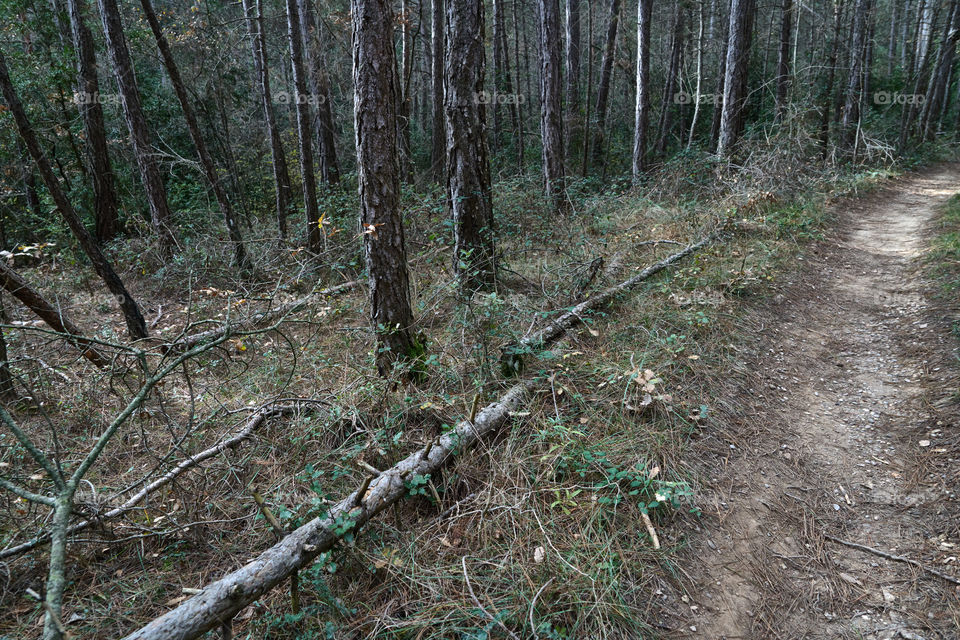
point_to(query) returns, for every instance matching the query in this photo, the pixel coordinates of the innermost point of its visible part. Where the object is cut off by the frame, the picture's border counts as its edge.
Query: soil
(839, 426)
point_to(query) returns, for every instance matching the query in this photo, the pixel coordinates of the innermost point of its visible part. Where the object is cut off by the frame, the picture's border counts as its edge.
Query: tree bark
(209, 169)
(281, 176)
(670, 82)
(106, 202)
(783, 57)
(438, 131)
(11, 281)
(160, 216)
(468, 165)
(403, 98)
(320, 86)
(735, 78)
(6, 378)
(825, 113)
(573, 65)
(642, 111)
(136, 326)
(854, 94)
(606, 73)
(304, 133)
(375, 116)
(551, 113)
(939, 82)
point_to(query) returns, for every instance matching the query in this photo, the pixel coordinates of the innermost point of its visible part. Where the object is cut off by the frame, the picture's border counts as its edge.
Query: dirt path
(841, 425)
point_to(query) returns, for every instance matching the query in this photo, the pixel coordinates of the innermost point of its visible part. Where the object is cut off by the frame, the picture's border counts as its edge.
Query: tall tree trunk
(304, 133)
(403, 107)
(468, 167)
(642, 111)
(699, 79)
(854, 95)
(783, 57)
(281, 176)
(551, 112)
(438, 131)
(735, 79)
(521, 140)
(137, 123)
(892, 40)
(503, 80)
(573, 66)
(6, 378)
(718, 97)
(320, 88)
(937, 89)
(670, 82)
(209, 169)
(606, 73)
(375, 115)
(106, 202)
(136, 326)
(825, 114)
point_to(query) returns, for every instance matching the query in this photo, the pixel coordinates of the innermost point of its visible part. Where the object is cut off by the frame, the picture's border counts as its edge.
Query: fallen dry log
(252, 424)
(259, 319)
(512, 359)
(31, 298)
(218, 603)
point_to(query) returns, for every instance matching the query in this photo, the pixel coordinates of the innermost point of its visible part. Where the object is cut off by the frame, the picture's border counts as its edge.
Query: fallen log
(511, 361)
(241, 434)
(55, 319)
(259, 319)
(219, 602)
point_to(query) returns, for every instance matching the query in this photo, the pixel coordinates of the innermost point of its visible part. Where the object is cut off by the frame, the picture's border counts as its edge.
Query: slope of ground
(840, 425)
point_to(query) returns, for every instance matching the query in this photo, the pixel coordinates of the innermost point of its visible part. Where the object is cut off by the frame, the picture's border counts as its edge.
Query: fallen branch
(512, 362)
(259, 319)
(31, 298)
(251, 425)
(221, 601)
(895, 558)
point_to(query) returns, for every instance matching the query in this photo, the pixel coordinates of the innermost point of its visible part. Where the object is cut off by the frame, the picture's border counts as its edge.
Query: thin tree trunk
(551, 112)
(160, 215)
(783, 57)
(438, 131)
(468, 166)
(573, 67)
(403, 107)
(281, 176)
(936, 93)
(606, 73)
(735, 79)
(304, 133)
(521, 140)
(136, 326)
(642, 111)
(698, 90)
(375, 115)
(718, 97)
(825, 115)
(320, 88)
(209, 169)
(503, 80)
(670, 82)
(892, 40)
(106, 202)
(6, 378)
(854, 95)
(11, 281)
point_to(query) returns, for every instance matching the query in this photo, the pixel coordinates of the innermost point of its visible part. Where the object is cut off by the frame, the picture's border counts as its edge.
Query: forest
(479, 319)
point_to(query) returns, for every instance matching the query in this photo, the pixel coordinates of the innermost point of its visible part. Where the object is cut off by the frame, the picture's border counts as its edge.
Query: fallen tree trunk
(252, 424)
(31, 298)
(259, 319)
(219, 602)
(512, 358)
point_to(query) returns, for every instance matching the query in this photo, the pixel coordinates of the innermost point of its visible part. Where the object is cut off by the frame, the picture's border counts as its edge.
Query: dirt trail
(842, 425)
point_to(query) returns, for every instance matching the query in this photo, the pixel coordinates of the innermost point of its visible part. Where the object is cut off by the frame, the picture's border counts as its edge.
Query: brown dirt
(841, 422)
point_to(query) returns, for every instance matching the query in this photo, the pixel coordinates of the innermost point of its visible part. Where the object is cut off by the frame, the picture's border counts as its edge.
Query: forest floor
(840, 425)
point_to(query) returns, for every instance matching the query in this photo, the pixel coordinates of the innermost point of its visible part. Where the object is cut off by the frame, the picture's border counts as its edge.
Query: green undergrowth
(943, 260)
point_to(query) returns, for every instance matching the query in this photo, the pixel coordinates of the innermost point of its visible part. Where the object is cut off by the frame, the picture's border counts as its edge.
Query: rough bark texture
(783, 56)
(31, 298)
(320, 86)
(136, 326)
(281, 176)
(468, 165)
(606, 74)
(106, 202)
(642, 111)
(735, 77)
(304, 129)
(193, 126)
(551, 112)
(438, 131)
(375, 117)
(222, 600)
(160, 216)
(940, 80)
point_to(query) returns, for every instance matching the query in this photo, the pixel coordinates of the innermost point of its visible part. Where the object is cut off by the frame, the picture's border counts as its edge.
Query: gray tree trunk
(320, 88)
(735, 78)
(573, 64)
(854, 94)
(438, 131)
(783, 57)
(468, 165)
(551, 111)
(606, 73)
(375, 117)
(160, 216)
(642, 111)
